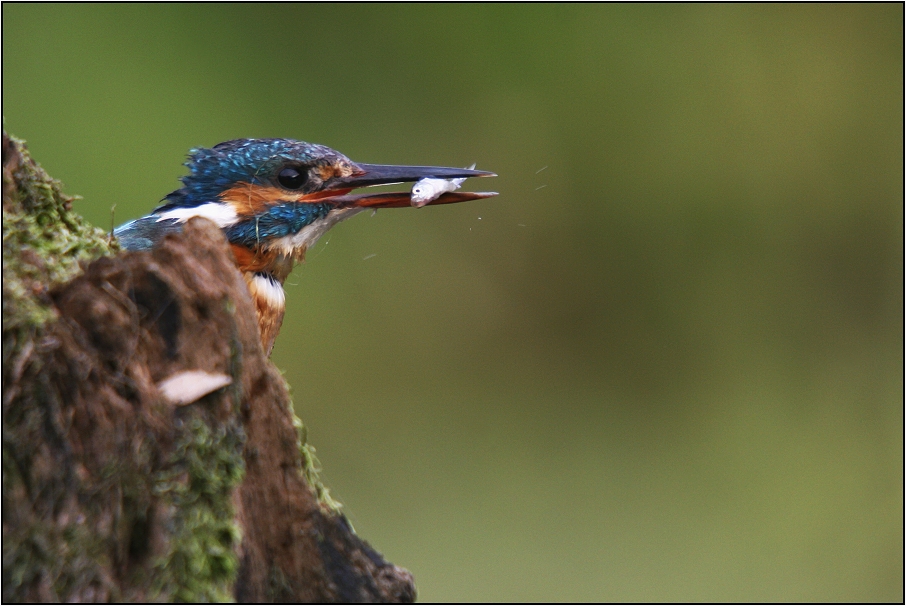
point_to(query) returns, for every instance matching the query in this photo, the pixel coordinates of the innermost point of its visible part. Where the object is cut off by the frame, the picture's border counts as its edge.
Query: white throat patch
(306, 237)
(218, 212)
(268, 289)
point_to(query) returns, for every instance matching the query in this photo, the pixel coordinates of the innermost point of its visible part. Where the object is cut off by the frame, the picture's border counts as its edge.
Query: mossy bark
(110, 491)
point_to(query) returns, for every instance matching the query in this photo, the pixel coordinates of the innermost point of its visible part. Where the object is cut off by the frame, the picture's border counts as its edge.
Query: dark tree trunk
(125, 479)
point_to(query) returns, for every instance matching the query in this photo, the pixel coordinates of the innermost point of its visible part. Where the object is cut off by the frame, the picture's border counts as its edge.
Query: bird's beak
(385, 174)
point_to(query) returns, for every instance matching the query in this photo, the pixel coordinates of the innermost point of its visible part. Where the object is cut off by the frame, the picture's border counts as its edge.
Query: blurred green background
(666, 363)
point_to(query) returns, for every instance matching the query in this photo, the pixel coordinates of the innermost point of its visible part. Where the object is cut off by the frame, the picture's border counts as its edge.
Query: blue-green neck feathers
(278, 221)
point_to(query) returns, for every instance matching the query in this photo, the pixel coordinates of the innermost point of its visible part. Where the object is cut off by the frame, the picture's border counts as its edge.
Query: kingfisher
(273, 199)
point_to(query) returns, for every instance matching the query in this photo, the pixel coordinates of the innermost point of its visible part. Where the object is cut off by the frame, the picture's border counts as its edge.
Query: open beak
(385, 174)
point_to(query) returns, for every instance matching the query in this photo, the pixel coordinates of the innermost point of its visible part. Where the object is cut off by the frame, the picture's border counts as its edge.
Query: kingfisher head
(273, 199)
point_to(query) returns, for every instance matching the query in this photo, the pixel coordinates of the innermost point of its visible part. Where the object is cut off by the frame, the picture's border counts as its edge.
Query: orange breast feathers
(270, 305)
(255, 261)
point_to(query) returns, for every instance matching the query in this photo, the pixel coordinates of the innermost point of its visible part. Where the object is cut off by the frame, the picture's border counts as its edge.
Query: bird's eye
(291, 178)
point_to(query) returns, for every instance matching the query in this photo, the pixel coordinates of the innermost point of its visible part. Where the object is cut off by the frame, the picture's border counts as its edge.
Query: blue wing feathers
(144, 233)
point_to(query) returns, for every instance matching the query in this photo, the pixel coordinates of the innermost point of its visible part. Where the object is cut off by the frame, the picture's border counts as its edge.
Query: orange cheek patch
(248, 199)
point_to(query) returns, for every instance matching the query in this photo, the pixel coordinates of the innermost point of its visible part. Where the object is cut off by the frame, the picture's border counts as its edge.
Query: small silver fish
(428, 189)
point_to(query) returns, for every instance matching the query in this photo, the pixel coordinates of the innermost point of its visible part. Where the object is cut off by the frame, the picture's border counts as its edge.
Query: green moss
(205, 467)
(66, 560)
(311, 467)
(44, 242)
(278, 586)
